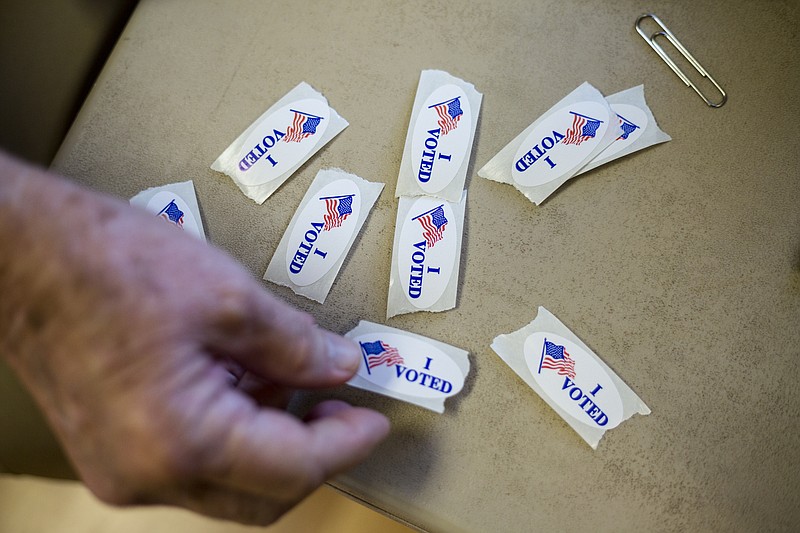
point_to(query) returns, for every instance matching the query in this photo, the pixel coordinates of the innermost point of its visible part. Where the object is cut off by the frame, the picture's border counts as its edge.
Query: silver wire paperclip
(668, 35)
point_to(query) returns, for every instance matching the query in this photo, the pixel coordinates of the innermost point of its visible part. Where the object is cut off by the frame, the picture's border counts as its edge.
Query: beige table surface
(679, 265)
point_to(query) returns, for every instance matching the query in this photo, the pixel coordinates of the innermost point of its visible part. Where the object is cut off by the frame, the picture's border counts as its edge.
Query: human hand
(162, 365)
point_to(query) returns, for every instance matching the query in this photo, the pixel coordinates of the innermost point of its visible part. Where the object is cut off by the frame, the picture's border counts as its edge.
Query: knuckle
(305, 347)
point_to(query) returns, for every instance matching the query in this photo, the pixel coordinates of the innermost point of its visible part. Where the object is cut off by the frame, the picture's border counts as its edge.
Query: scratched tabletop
(678, 265)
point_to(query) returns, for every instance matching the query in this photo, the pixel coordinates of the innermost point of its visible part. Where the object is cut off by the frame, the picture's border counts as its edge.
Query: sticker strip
(407, 366)
(440, 137)
(273, 147)
(175, 203)
(569, 376)
(320, 235)
(556, 146)
(639, 127)
(426, 255)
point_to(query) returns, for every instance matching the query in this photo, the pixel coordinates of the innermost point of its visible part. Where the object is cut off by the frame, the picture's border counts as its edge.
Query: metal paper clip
(668, 35)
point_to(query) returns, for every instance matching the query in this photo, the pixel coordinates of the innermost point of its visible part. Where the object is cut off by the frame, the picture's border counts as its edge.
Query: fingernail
(344, 353)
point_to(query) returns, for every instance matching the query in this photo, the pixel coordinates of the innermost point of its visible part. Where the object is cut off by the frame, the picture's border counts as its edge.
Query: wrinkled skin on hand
(162, 365)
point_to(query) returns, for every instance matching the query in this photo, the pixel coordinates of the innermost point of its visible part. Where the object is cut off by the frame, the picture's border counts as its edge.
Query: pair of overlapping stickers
(429, 227)
(582, 131)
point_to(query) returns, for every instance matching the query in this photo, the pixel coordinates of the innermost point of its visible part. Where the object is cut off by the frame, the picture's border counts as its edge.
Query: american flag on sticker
(172, 213)
(627, 126)
(449, 114)
(304, 125)
(583, 128)
(379, 353)
(337, 210)
(555, 357)
(433, 223)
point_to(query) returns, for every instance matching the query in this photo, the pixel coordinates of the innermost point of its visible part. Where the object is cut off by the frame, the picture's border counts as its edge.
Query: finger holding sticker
(408, 367)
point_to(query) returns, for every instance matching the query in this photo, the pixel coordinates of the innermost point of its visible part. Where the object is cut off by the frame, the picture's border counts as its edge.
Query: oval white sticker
(573, 380)
(407, 365)
(560, 143)
(281, 140)
(322, 232)
(441, 138)
(174, 209)
(427, 251)
(633, 122)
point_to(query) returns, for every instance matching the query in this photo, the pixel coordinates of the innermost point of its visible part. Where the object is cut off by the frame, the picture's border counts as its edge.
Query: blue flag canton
(590, 128)
(628, 127)
(454, 108)
(345, 206)
(556, 351)
(372, 348)
(437, 217)
(173, 212)
(310, 125)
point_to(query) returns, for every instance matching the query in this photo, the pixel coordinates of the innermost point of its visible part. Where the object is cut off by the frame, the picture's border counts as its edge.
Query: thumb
(285, 346)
